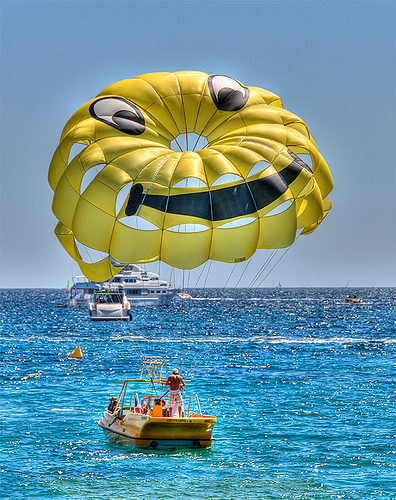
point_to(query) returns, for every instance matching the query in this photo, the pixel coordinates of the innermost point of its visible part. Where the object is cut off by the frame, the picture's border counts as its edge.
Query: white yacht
(142, 288)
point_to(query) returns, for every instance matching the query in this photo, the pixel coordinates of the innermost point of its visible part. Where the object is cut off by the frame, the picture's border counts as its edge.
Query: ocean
(303, 385)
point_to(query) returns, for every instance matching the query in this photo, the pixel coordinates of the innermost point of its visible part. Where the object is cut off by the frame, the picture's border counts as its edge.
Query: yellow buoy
(77, 353)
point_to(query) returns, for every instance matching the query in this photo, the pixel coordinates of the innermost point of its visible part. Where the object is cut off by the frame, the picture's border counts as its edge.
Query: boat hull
(109, 312)
(156, 432)
(107, 318)
(124, 317)
(151, 300)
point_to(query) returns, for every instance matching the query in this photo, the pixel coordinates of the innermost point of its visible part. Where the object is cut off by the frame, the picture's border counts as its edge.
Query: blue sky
(331, 62)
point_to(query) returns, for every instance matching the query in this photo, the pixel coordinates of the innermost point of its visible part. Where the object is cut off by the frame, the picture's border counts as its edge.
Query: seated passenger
(164, 410)
(113, 404)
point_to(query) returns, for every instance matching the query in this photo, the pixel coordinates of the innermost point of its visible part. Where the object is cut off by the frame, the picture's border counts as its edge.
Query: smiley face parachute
(246, 188)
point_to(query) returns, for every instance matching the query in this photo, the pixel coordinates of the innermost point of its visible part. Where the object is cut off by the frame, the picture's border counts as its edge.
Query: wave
(332, 340)
(63, 409)
(32, 375)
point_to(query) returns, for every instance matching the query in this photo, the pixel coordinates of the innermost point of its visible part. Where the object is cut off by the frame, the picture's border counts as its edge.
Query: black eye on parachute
(227, 94)
(118, 113)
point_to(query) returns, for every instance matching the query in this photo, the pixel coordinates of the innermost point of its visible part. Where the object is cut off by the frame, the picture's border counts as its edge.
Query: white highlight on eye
(219, 82)
(188, 228)
(226, 179)
(238, 223)
(136, 222)
(106, 108)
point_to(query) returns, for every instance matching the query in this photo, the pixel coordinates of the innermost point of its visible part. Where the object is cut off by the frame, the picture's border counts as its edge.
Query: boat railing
(132, 407)
(193, 403)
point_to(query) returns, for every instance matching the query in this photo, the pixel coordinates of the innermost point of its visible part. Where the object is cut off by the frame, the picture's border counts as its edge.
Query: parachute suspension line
(173, 118)
(199, 277)
(184, 116)
(206, 124)
(137, 348)
(165, 309)
(89, 255)
(262, 269)
(151, 183)
(170, 276)
(207, 274)
(134, 343)
(188, 278)
(196, 119)
(177, 142)
(197, 359)
(229, 276)
(196, 142)
(219, 124)
(243, 272)
(181, 326)
(276, 263)
(162, 322)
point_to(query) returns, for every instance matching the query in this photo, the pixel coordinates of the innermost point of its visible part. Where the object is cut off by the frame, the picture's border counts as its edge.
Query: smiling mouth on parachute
(218, 204)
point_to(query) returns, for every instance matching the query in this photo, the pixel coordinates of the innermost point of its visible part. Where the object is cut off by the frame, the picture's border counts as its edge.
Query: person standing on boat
(175, 398)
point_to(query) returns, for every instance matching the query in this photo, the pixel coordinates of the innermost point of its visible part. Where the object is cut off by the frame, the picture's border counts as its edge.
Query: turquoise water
(303, 385)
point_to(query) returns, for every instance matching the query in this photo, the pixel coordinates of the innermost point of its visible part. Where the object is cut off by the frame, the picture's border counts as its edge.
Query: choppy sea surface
(303, 385)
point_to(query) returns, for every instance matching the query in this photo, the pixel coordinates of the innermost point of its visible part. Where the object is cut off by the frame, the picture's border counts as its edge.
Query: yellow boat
(125, 422)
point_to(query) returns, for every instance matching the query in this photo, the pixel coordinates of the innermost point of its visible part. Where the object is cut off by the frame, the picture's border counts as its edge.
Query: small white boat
(125, 422)
(184, 295)
(353, 299)
(109, 303)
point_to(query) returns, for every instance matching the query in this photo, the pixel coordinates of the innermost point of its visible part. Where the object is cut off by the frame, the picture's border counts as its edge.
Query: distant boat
(279, 285)
(184, 295)
(353, 299)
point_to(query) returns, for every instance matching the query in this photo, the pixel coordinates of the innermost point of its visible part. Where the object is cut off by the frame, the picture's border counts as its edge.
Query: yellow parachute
(151, 199)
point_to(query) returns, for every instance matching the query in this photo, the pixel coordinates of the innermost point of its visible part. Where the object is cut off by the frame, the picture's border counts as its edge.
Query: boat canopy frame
(151, 372)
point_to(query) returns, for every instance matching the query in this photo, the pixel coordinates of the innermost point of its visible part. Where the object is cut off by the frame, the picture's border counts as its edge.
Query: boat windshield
(108, 298)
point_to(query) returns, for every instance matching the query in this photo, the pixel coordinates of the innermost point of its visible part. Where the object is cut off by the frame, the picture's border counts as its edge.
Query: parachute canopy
(184, 167)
